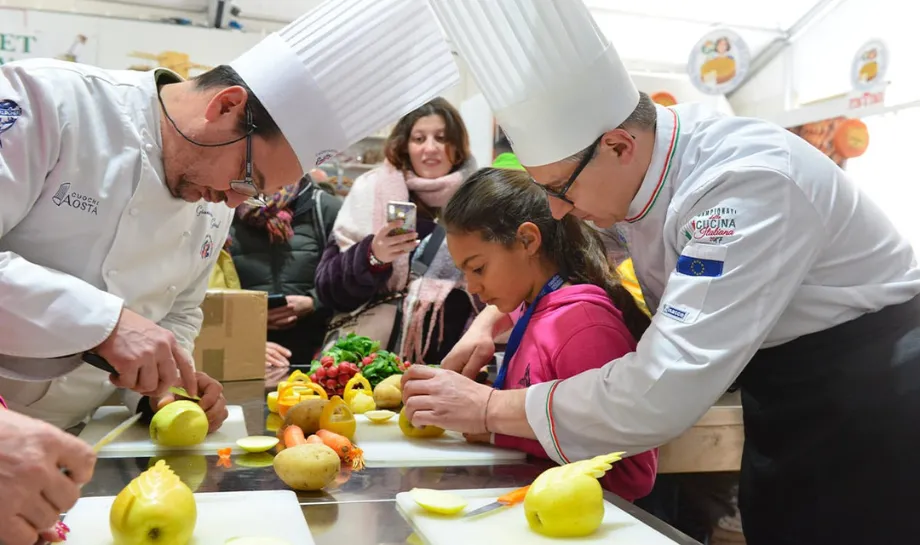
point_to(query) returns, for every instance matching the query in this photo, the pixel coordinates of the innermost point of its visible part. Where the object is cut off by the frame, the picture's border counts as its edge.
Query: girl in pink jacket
(568, 311)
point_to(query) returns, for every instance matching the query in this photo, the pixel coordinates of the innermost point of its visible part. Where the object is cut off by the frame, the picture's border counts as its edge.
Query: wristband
(485, 413)
(375, 263)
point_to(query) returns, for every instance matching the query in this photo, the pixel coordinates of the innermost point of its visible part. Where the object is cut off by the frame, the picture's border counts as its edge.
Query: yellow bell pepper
(338, 418)
(351, 390)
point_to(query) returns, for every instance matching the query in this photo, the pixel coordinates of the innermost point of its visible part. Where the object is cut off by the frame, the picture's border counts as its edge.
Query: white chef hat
(345, 70)
(553, 81)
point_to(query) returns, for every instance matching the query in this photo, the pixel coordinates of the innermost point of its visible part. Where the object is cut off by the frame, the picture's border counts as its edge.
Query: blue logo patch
(675, 312)
(695, 266)
(10, 112)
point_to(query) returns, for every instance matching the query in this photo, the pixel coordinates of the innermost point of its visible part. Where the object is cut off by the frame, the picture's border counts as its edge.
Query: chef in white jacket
(118, 187)
(763, 263)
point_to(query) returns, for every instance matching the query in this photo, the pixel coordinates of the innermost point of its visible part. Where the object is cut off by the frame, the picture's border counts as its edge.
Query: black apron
(832, 435)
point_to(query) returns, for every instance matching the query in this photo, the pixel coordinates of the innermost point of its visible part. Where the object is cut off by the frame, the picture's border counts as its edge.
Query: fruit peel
(424, 432)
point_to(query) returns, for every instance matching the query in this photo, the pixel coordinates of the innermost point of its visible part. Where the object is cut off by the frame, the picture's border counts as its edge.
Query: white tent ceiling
(654, 36)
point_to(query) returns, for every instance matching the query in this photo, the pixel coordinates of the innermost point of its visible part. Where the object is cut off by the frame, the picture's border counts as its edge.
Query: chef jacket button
(133, 211)
(113, 272)
(186, 234)
(63, 379)
(172, 288)
(149, 147)
(106, 382)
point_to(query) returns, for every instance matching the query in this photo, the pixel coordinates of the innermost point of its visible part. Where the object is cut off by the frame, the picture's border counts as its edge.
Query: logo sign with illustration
(867, 75)
(719, 62)
(664, 99)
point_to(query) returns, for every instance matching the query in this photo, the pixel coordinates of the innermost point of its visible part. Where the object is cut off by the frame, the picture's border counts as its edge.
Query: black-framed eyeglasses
(247, 186)
(560, 194)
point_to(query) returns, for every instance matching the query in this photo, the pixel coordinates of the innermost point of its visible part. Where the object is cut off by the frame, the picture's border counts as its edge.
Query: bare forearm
(506, 414)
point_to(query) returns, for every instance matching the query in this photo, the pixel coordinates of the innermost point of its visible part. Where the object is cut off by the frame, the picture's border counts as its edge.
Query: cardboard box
(231, 344)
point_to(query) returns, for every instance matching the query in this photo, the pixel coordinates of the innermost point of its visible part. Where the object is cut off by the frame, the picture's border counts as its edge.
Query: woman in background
(427, 158)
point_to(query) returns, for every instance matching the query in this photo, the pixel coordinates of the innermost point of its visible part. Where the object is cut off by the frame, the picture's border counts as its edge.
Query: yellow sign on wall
(174, 60)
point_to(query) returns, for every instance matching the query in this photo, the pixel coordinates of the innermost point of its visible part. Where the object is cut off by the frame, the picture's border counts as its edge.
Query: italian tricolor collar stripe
(665, 170)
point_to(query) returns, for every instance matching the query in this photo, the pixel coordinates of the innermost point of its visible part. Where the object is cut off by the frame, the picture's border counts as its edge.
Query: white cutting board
(509, 525)
(384, 445)
(221, 515)
(135, 441)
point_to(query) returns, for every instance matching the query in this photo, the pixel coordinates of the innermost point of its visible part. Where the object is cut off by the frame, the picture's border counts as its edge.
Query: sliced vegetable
(338, 418)
(438, 501)
(272, 401)
(293, 436)
(349, 453)
(361, 403)
(257, 443)
(285, 404)
(379, 417)
(352, 387)
(315, 439)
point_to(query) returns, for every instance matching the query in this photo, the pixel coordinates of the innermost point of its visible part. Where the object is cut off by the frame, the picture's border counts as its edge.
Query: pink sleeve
(530, 446)
(2, 402)
(590, 348)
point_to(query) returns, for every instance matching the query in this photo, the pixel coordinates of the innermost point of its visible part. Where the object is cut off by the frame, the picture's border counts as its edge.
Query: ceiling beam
(816, 14)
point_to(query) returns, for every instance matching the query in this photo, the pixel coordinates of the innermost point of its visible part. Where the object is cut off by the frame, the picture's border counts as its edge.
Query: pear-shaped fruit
(156, 508)
(567, 501)
(424, 432)
(179, 424)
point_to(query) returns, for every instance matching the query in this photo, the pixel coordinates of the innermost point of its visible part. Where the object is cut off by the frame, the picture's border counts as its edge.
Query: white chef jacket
(742, 236)
(87, 226)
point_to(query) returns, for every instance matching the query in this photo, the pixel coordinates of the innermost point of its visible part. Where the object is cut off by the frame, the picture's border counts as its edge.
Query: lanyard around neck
(517, 333)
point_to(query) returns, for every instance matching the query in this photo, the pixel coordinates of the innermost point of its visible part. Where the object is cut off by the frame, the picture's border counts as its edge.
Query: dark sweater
(288, 268)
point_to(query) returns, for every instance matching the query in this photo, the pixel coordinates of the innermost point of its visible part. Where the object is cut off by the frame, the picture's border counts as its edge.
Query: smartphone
(405, 211)
(276, 300)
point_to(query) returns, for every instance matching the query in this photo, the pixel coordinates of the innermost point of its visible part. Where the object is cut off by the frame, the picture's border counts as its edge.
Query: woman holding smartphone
(368, 258)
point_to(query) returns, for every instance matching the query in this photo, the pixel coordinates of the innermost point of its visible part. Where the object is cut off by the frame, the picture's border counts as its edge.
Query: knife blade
(511, 498)
(112, 435)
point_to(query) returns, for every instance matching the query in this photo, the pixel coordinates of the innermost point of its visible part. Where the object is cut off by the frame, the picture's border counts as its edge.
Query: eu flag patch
(695, 266)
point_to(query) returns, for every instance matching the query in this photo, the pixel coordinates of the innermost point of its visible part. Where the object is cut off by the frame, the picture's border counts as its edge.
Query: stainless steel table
(360, 511)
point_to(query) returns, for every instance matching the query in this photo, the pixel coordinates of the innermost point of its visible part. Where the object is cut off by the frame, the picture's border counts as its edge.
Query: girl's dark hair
(457, 139)
(495, 202)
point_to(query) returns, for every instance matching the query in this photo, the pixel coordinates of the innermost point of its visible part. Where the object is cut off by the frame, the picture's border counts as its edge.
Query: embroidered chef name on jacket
(64, 197)
(713, 225)
(204, 211)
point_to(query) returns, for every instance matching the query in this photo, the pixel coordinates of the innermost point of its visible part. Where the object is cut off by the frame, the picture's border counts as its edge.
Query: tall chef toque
(347, 69)
(552, 79)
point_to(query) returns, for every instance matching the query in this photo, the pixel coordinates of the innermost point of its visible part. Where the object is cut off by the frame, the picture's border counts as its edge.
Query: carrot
(315, 439)
(349, 453)
(293, 436)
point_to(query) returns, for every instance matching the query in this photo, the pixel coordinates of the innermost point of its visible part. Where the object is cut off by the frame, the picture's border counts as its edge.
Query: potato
(307, 467)
(395, 380)
(387, 396)
(305, 415)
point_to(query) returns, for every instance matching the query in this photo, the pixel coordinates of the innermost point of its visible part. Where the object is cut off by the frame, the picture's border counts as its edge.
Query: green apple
(192, 469)
(568, 508)
(179, 424)
(156, 508)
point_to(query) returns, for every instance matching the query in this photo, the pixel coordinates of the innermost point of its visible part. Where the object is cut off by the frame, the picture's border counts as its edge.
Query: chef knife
(99, 362)
(511, 498)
